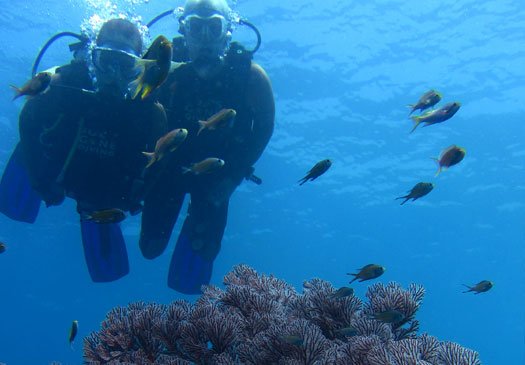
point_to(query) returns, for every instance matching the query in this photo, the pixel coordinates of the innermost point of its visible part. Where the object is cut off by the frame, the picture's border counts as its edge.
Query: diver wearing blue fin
(18, 200)
(84, 139)
(219, 76)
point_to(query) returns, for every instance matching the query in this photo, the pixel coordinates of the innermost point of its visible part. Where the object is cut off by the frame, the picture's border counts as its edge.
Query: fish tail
(146, 91)
(354, 279)
(18, 91)
(416, 121)
(202, 125)
(185, 170)
(85, 217)
(151, 158)
(406, 197)
(439, 165)
(469, 288)
(412, 108)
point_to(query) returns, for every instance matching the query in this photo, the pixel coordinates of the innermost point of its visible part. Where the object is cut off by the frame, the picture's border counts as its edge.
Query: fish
(217, 120)
(155, 67)
(167, 143)
(390, 316)
(205, 166)
(368, 272)
(105, 216)
(73, 332)
(449, 157)
(419, 190)
(346, 331)
(295, 340)
(427, 100)
(436, 116)
(37, 85)
(480, 287)
(3, 247)
(319, 168)
(342, 292)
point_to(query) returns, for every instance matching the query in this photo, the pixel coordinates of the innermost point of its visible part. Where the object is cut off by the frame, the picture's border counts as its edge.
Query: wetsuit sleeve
(261, 101)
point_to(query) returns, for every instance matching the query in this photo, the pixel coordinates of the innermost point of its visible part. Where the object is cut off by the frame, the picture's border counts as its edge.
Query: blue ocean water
(342, 74)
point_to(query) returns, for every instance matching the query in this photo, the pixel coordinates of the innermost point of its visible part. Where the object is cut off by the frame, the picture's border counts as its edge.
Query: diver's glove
(52, 194)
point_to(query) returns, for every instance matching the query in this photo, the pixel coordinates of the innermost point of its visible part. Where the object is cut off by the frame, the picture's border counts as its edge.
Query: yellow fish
(155, 66)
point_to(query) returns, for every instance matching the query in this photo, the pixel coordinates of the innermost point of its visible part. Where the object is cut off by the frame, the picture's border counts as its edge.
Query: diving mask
(206, 29)
(115, 62)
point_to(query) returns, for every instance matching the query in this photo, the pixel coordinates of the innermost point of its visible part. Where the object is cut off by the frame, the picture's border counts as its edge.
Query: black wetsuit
(86, 144)
(188, 99)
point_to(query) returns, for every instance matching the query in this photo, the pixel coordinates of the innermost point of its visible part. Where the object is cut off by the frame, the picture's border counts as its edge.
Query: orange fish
(450, 157)
(217, 120)
(155, 66)
(38, 84)
(167, 143)
(206, 166)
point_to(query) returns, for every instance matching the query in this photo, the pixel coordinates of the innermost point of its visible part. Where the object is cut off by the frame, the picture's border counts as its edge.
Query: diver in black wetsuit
(216, 77)
(84, 139)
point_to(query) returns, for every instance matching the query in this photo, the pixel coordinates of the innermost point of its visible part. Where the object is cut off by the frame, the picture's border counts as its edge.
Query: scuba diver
(225, 102)
(84, 138)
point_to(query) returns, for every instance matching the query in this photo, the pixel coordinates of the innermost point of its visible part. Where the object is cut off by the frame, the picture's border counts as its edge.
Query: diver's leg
(158, 218)
(198, 244)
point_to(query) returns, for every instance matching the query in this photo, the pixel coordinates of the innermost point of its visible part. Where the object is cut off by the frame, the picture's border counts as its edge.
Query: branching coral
(259, 320)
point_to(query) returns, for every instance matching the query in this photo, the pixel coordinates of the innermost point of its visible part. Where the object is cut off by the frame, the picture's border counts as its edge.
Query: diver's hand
(52, 194)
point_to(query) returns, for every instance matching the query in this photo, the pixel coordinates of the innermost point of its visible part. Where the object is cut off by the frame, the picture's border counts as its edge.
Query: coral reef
(259, 319)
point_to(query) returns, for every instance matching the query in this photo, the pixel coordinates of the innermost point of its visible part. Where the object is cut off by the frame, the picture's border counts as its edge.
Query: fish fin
(416, 121)
(84, 217)
(412, 108)
(18, 91)
(202, 125)
(439, 165)
(151, 158)
(185, 170)
(304, 179)
(146, 91)
(406, 197)
(354, 279)
(136, 87)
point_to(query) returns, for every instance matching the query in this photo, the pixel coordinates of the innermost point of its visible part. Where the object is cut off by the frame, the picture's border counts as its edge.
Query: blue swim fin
(104, 250)
(18, 200)
(188, 270)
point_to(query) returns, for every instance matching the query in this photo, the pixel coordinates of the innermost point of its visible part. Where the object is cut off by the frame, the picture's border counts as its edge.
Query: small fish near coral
(389, 316)
(73, 332)
(481, 287)
(342, 293)
(427, 100)
(368, 272)
(449, 157)
(419, 190)
(319, 168)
